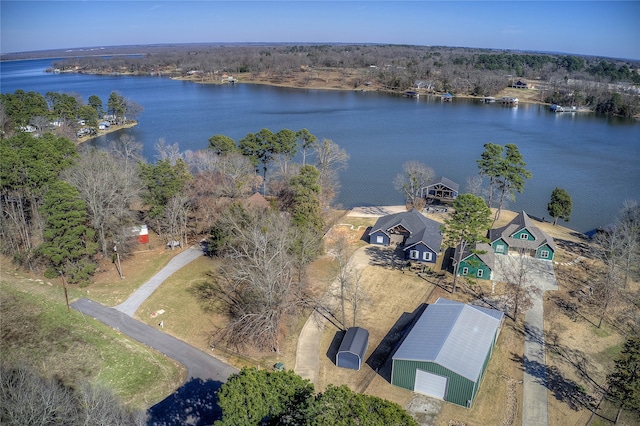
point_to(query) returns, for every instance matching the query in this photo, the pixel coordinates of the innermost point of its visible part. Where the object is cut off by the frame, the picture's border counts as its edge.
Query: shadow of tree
(194, 403)
(386, 257)
(563, 389)
(379, 360)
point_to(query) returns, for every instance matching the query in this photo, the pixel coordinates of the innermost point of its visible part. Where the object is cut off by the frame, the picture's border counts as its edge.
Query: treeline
(26, 398)
(465, 71)
(66, 113)
(62, 206)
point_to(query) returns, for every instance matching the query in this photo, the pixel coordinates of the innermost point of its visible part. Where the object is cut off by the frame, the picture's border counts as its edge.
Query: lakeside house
(518, 236)
(524, 237)
(419, 237)
(480, 264)
(443, 190)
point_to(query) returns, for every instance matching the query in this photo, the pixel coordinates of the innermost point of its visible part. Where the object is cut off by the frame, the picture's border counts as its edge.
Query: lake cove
(595, 159)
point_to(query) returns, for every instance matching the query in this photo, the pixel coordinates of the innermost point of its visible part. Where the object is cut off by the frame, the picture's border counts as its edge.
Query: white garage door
(430, 384)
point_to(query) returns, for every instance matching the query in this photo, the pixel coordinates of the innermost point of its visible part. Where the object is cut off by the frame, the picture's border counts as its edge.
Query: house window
(544, 254)
(465, 270)
(414, 254)
(524, 236)
(480, 273)
(499, 248)
(380, 239)
(426, 255)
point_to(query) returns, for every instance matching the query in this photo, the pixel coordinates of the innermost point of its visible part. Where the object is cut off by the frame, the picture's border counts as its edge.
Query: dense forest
(608, 86)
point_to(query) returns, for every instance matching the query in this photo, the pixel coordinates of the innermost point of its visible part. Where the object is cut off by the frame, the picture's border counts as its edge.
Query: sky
(599, 28)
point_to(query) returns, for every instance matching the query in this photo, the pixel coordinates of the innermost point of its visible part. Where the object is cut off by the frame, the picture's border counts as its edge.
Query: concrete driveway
(538, 273)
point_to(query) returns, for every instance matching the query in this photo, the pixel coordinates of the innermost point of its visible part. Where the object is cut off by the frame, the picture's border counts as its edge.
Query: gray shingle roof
(488, 257)
(454, 335)
(520, 222)
(421, 228)
(446, 182)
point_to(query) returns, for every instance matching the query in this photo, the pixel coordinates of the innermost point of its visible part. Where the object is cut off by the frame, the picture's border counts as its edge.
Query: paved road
(198, 364)
(131, 305)
(195, 403)
(539, 274)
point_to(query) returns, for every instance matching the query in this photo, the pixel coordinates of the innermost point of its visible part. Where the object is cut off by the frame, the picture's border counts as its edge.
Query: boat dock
(560, 108)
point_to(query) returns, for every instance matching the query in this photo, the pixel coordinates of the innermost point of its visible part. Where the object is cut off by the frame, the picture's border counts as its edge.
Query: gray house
(419, 236)
(443, 189)
(353, 348)
(447, 351)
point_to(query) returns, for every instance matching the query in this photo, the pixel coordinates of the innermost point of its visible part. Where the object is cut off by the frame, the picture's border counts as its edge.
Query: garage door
(430, 384)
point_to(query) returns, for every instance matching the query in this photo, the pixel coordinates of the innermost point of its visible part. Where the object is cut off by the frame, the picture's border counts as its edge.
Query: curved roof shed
(352, 349)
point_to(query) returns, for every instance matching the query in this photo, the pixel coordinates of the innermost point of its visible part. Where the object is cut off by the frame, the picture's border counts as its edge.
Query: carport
(352, 349)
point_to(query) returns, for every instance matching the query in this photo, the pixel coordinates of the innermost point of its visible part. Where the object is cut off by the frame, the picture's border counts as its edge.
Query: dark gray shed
(352, 349)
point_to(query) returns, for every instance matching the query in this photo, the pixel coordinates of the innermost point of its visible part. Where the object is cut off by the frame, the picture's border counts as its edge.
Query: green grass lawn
(38, 330)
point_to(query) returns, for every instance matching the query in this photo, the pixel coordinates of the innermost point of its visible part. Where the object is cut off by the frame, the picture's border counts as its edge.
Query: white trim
(379, 239)
(414, 254)
(426, 256)
(465, 270)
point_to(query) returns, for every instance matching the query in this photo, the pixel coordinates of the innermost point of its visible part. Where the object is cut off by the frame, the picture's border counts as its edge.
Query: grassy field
(38, 330)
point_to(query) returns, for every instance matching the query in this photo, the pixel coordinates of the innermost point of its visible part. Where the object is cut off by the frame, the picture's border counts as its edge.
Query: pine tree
(624, 382)
(68, 241)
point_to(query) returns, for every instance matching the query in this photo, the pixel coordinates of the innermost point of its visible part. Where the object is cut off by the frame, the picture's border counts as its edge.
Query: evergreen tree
(560, 205)
(68, 241)
(466, 226)
(305, 208)
(513, 175)
(162, 180)
(490, 165)
(222, 144)
(624, 382)
(261, 397)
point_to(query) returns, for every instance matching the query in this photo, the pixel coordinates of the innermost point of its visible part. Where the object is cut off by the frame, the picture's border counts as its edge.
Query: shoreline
(111, 129)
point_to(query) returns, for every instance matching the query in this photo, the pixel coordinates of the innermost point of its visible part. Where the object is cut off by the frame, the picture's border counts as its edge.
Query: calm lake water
(595, 159)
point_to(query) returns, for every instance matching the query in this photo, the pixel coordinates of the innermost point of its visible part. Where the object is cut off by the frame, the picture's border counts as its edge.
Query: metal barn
(352, 349)
(446, 353)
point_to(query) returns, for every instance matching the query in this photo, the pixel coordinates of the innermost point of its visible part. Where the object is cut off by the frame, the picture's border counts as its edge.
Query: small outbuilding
(446, 353)
(353, 348)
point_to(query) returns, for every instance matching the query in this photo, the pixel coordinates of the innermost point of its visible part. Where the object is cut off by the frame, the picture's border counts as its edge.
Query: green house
(446, 353)
(524, 237)
(479, 264)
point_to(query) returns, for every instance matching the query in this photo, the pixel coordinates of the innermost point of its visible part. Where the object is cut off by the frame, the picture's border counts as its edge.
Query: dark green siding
(542, 248)
(517, 235)
(498, 242)
(459, 389)
(474, 263)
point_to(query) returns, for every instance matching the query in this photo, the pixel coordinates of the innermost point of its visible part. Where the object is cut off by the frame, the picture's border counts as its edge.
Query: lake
(595, 159)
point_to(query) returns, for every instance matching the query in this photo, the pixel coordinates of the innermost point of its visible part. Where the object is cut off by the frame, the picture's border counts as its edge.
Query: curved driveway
(199, 364)
(131, 305)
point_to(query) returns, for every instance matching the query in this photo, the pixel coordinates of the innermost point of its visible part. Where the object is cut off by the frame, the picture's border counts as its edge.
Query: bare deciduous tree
(330, 159)
(411, 182)
(255, 283)
(108, 189)
(176, 215)
(168, 151)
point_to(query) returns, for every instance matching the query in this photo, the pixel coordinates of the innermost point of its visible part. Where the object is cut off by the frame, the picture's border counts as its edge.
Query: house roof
(446, 182)
(257, 200)
(520, 222)
(355, 341)
(488, 257)
(421, 228)
(454, 335)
